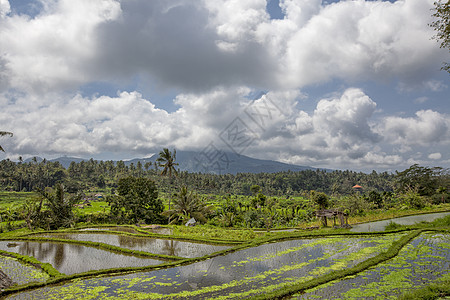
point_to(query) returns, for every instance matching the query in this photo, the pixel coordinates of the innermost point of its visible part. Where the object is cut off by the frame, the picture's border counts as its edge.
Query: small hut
(325, 214)
(357, 188)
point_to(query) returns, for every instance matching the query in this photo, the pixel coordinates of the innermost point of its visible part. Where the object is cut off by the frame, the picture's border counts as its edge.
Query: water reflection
(21, 273)
(246, 270)
(409, 220)
(71, 258)
(424, 260)
(147, 244)
(162, 230)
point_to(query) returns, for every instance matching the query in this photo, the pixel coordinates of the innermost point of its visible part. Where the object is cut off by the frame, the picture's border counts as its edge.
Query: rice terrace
(143, 235)
(224, 149)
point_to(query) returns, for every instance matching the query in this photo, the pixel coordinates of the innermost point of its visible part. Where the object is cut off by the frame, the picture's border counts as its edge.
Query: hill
(217, 163)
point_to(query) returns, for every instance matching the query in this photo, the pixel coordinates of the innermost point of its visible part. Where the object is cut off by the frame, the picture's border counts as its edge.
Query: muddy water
(156, 246)
(71, 259)
(410, 220)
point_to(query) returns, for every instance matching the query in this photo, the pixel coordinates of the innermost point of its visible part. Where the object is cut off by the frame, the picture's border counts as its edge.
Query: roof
(357, 186)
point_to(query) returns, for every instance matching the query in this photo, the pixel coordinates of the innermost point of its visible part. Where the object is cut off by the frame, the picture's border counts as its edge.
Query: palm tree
(3, 133)
(166, 160)
(187, 205)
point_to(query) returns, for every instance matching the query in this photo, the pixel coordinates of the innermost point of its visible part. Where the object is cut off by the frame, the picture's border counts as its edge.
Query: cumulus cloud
(357, 39)
(86, 126)
(426, 128)
(197, 45)
(339, 131)
(216, 54)
(4, 8)
(55, 48)
(436, 155)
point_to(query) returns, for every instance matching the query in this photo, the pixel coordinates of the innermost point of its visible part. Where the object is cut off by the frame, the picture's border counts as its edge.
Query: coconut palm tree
(3, 133)
(166, 160)
(186, 205)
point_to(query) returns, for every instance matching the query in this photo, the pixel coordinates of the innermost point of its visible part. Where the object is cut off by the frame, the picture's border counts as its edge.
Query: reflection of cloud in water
(245, 270)
(71, 258)
(147, 244)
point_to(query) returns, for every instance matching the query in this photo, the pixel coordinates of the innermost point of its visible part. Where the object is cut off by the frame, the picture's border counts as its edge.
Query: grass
(46, 267)
(285, 289)
(96, 207)
(13, 200)
(437, 290)
(378, 215)
(335, 275)
(212, 233)
(245, 238)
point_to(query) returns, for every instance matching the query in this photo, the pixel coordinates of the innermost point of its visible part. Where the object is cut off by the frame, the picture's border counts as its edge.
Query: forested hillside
(92, 174)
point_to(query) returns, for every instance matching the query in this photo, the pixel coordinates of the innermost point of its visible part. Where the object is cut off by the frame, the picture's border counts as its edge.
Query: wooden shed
(325, 214)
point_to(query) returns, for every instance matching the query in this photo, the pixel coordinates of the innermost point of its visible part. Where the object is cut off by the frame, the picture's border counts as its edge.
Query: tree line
(95, 175)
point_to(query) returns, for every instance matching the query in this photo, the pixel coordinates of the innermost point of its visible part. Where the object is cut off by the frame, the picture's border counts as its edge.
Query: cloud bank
(216, 55)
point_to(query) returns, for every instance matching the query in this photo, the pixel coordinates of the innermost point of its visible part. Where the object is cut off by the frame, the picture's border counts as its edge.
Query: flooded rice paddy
(147, 244)
(72, 258)
(237, 275)
(409, 220)
(161, 230)
(21, 273)
(424, 260)
(232, 276)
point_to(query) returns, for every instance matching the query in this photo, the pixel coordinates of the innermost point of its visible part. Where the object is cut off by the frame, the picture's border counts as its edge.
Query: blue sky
(336, 84)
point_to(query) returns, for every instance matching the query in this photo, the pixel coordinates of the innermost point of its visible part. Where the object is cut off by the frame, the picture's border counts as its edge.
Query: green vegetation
(437, 290)
(186, 205)
(59, 212)
(47, 268)
(442, 26)
(241, 211)
(136, 201)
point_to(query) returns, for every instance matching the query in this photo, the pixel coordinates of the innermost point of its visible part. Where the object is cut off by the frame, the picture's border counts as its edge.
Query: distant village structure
(357, 188)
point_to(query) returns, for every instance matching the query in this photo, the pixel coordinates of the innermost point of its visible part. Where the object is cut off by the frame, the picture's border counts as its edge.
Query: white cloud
(421, 100)
(214, 55)
(198, 45)
(436, 155)
(347, 118)
(54, 49)
(87, 126)
(340, 132)
(426, 128)
(363, 39)
(4, 8)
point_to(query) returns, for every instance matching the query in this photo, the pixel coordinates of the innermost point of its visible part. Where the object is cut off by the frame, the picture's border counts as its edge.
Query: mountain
(212, 162)
(229, 162)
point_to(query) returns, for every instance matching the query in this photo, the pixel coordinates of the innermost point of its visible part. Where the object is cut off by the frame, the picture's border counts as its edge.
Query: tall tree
(3, 133)
(60, 208)
(137, 200)
(442, 26)
(423, 179)
(166, 160)
(188, 205)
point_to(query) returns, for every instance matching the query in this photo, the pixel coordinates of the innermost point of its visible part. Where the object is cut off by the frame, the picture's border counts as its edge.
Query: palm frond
(3, 133)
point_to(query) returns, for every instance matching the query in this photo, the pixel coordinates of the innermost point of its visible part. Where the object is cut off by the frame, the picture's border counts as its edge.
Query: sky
(350, 84)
